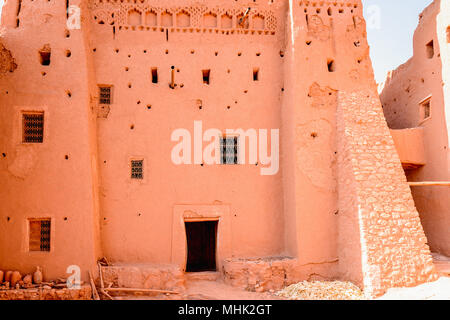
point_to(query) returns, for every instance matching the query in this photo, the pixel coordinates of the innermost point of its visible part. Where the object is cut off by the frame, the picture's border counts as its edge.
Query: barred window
(137, 169)
(33, 127)
(39, 235)
(105, 94)
(229, 150)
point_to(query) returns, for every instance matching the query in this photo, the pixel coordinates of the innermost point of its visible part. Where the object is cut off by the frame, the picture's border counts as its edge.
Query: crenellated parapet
(221, 18)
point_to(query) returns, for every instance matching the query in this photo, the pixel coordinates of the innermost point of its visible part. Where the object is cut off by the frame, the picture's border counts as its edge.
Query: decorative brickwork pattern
(375, 202)
(147, 15)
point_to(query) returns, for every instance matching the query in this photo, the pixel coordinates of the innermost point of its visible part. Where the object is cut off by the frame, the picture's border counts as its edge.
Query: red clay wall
(37, 179)
(420, 78)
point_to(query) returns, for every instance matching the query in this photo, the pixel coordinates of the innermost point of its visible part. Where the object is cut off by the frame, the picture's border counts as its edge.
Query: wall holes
(154, 75)
(199, 104)
(66, 157)
(331, 65)
(308, 43)
(149, 107)
(68, 53)
(206, 76)
(69, 94)
(132, 127)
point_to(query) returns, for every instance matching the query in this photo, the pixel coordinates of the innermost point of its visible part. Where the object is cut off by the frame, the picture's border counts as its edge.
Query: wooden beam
(430, 184)
(139, 290)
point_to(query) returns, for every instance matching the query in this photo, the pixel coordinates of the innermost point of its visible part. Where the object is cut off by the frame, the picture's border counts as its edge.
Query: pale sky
(390, 36)
(392, 44)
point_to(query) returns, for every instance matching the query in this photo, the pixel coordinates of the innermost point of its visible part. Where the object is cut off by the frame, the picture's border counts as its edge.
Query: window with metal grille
(33, 127)
(105, 94)
(137, 169)
(229, 150)
(39, 235)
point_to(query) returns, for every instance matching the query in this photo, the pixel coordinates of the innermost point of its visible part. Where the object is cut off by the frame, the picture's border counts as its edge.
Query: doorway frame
(200, 213)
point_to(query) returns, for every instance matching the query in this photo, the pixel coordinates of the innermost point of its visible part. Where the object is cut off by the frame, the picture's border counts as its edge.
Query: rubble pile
(322, 290)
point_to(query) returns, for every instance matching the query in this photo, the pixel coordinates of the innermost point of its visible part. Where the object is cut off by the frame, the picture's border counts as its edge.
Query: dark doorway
(201, 244)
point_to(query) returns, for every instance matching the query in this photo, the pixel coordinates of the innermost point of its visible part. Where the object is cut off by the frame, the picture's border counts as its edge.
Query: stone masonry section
(375, 203)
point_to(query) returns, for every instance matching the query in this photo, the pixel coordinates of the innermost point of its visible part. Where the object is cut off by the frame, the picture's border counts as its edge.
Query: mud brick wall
(376, 203)
(160, 277)
(84, 293)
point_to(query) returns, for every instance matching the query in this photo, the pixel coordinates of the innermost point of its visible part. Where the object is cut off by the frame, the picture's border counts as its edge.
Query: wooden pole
(139, 290)
(94, 289)
(102, 284)
(430, 184)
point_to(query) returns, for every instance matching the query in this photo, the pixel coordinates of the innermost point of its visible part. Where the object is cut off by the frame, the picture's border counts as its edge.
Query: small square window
(137, 169)
(33, 127)
(229, 150)
(425, 110)
(105, 94)
(331, 65)
(255, 74)
(45, 57)
(39, 234)
(430, 49)
(206, 76)
(154, 75)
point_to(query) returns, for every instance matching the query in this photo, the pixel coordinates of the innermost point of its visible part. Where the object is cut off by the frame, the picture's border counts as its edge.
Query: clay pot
(27, 280)
(1, 276)
(8, 275)
(15, 278)
(37, 276)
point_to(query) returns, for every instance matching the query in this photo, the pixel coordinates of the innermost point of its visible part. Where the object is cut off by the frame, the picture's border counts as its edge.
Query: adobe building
(416, 102)
(86, 126)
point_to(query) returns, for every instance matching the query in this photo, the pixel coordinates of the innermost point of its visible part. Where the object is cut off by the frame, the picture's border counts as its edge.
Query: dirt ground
(217, 290)
(438, 290)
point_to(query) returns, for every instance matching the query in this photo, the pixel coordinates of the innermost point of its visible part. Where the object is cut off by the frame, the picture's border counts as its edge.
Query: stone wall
(158, 277)
(274, 273)
(85, 293)
(375, 203)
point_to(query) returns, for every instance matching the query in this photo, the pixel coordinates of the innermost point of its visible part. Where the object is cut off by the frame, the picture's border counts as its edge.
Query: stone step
(442, 267)
(204, 276)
